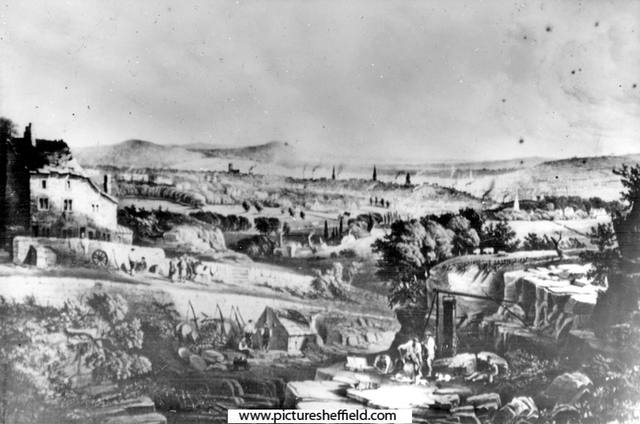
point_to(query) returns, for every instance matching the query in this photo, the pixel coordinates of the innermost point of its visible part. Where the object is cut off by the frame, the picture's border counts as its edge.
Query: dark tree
(370, 200)
(375, 173)
(627, 224)
(259, 207)
(246, 206)
(408, 180)
(500, 236)
(292, 212)
(388, 204)
(302, 215)
(340, 227)
(333, 174)
(326, 230)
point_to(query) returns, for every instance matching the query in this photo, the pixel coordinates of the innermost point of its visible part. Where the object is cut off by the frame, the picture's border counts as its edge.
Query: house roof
(294, 328)
(294, 323)
(73, 173)
(123, 230)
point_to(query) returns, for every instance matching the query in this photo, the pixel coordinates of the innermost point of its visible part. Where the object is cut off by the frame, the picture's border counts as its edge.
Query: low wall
(117, 254)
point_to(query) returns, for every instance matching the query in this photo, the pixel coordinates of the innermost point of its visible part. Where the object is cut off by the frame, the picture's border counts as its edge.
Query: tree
(340, 227)
(534, 242)
(500, 236)
(466, 238)
(302, 215)
(259, 206)
(613, 265)
(627, 224)
(408, 180)
(333, 173)
(375, 173)
(246, 205)
(292, 213)
(8, 128)
(326, 230)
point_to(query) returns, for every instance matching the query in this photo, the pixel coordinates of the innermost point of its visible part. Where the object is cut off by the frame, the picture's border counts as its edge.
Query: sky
(420, 80)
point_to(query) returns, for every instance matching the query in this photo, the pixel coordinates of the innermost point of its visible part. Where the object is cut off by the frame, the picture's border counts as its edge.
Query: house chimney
(28, 135)
(106, 186)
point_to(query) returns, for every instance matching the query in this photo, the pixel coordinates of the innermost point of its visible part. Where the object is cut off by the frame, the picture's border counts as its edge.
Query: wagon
(100, 258)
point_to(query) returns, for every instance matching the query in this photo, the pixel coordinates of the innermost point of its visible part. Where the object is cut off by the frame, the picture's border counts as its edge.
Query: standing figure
(430, 345)
(266, 337)
(181, 268)
(249, 330)
(132, 261)
(411, 352)
(172, 269)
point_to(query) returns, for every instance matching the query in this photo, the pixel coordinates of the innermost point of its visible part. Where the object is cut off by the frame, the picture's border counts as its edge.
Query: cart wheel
(100, 258)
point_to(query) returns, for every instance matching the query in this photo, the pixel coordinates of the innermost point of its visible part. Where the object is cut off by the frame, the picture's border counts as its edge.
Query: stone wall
(117, 254)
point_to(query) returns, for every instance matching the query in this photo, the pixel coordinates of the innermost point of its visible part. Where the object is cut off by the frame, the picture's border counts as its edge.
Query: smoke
(339, 170)
(251, 169)
(453, 171)
(399, 173)
(314, 169)
(304, 168)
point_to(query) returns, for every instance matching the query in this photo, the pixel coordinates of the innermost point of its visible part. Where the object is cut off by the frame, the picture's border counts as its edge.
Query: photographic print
(319, 205)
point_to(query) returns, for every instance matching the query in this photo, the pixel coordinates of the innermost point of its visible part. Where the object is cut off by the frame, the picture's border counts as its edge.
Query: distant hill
(137, 154)
(271, 152)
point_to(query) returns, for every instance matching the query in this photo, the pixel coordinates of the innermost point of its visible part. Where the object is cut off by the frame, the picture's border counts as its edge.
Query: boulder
(197, 362)
(352, 341)
(565, 389)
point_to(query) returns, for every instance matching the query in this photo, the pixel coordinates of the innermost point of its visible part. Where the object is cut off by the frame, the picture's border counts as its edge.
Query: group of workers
(418, 354)
(245, 345)
(414, 355)
(136, 263)
(182, 268)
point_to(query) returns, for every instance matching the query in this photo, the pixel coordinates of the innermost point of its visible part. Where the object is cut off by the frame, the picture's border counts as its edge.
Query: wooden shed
(290, 330)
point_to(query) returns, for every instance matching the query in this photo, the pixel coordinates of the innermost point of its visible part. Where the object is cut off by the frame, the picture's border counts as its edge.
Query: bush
(256, 246)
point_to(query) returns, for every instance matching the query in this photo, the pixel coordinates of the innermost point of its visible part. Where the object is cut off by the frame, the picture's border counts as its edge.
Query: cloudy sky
(414, 79)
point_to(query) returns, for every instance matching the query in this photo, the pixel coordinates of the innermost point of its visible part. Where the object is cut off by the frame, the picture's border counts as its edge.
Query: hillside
(136, 153)
(585, 177)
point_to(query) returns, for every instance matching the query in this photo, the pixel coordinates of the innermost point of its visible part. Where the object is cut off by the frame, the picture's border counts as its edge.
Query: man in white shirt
(412, 351)
(430, 345)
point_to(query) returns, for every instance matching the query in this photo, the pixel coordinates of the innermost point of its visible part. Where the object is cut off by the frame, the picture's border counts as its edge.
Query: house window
(44, 183)
(43, 203)
(68, 205)
(45, 232)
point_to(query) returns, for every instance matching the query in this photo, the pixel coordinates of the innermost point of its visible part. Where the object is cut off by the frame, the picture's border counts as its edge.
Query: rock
(212, 356)
(184, 353)
(485, 400)
(217, 366)
(520, 406)
(370, 337)
(153, 418)
(352, 341)
(463, 392)
(467, 418)
(446, 401)
(197, 362)
(361, 322)
(566, 389)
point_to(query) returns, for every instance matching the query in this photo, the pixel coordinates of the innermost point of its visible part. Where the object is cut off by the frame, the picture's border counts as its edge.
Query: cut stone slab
(153, 418)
